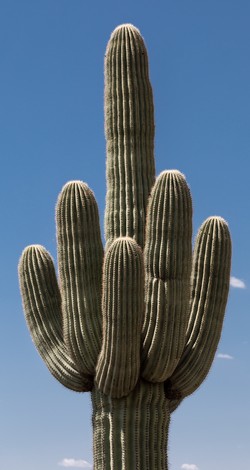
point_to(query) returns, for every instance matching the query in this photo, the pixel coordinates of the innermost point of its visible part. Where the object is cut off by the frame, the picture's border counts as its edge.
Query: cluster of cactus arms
(138, 323)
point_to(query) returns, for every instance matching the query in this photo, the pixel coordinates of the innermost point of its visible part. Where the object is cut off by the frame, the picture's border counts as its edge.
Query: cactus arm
(42, 307)
(168, 259)
(118, 367)
(129, 128)
(210, 286)
(174, 402)
(80, 256)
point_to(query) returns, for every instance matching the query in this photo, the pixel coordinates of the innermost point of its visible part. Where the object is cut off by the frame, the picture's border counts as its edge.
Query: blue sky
(51, 124)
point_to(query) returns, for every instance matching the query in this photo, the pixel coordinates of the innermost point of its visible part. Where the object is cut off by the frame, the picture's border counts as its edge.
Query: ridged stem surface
(42, 307)
(168, 261)
(210, 286)
(129, 128)
(131, 433)
(80, 257)
(140, 325)
(118, 366)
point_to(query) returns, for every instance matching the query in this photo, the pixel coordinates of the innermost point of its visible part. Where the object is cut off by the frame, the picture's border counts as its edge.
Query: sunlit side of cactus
(138, 324)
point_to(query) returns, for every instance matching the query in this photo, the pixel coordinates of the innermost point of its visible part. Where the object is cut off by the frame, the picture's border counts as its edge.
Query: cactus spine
(139, 324)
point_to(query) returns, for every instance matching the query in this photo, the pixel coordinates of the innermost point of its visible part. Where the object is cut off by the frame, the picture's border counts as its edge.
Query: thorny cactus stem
(140, 324)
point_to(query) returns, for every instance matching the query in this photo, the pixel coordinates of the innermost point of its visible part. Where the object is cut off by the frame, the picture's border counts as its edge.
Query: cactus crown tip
(218, 219)
(177, 173)
(30, 250)
(126, 26)
(34, 248)
(74, 183)
(124, 240)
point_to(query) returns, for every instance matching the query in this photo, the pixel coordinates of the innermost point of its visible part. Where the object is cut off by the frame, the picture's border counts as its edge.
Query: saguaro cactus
(139, 324)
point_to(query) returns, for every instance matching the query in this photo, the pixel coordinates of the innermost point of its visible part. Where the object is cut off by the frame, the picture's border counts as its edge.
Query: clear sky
(51, 127)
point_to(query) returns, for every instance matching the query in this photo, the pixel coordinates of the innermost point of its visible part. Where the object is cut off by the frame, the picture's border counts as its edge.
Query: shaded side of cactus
(138, 323)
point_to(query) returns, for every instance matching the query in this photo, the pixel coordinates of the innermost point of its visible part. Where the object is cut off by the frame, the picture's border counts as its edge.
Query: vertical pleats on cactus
(138, 323)
(168, 257)
(131, 432)
(210, 286)
(80, 257)
(129, 128)
(42, 307)
(118, 367)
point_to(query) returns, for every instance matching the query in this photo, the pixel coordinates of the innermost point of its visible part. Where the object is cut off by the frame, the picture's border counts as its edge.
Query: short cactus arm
(210, 286)
(80, 257)
(129, 128)
(118, 367)
(168, 260)
(42, 307)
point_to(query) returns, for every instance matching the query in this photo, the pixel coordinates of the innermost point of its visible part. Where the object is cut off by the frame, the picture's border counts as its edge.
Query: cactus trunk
(131, 432)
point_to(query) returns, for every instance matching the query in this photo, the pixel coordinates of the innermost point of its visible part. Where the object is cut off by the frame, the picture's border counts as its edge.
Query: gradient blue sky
(51, 125)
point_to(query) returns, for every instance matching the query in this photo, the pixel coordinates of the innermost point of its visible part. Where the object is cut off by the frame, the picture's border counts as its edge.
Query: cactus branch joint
(138, 322)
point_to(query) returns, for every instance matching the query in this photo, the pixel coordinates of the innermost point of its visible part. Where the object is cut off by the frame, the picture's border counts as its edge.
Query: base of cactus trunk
(131, 433)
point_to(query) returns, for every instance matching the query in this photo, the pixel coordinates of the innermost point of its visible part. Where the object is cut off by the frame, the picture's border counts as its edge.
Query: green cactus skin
(42, 307)
(139, 325)
(168, 255)
(80, 257)
(129, 129)
(131, 432)
(118, 368)
(211, 268)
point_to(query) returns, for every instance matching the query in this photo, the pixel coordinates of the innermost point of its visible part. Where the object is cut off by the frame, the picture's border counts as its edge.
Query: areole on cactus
(138, 323)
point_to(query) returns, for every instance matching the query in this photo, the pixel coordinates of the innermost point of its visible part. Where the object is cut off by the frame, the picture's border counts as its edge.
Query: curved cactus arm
(168, 260)
(118, 367)
(129, 128)
(174, 402)
(210, 286)
(80, 256)
(42, 307)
